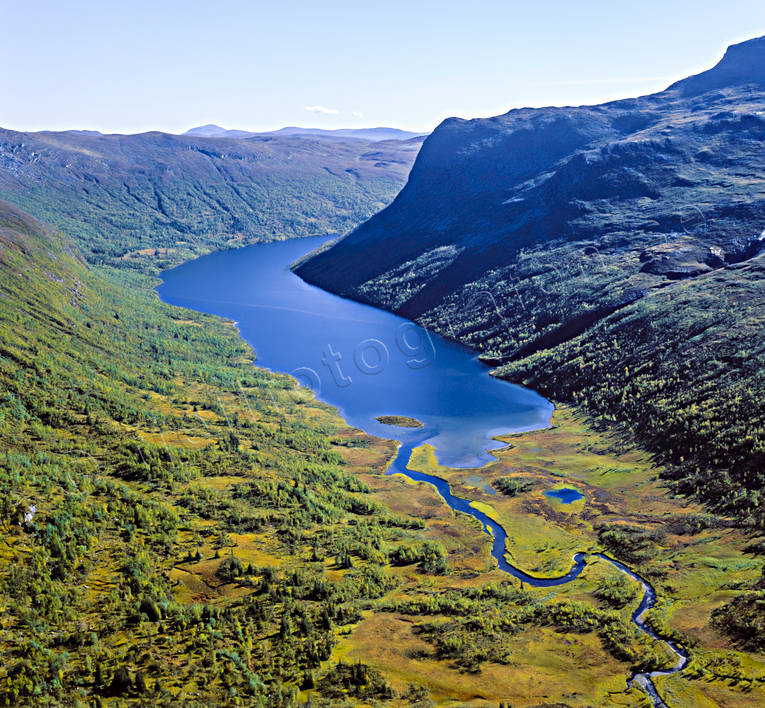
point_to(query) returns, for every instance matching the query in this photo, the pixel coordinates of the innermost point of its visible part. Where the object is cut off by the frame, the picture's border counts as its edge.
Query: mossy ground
(694, 574)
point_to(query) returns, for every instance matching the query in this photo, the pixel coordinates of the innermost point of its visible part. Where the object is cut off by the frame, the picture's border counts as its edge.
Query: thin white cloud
(323, 110)
(357, 114)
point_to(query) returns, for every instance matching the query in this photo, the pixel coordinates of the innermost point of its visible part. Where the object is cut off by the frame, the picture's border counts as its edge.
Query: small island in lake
(401, 421)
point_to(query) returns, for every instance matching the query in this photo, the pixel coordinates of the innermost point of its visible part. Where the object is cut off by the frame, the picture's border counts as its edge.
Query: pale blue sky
(168, 65)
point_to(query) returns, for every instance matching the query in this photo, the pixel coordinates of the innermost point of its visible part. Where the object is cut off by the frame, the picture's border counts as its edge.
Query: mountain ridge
(377, 134)
(157, 199)
(741, 64)
(532, 235)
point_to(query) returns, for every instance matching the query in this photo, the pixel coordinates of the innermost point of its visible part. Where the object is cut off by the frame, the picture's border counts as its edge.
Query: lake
(363, 360)
(368, 363)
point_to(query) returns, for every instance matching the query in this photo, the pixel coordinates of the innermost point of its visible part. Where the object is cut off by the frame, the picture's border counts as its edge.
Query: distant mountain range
(373, 134)
(215, 131)
(601, 254)
(180, 527)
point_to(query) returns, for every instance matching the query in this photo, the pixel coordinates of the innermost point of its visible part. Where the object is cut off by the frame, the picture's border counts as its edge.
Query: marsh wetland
(572, 505)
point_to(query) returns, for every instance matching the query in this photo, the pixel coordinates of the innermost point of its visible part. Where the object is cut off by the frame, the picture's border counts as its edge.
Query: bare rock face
(742, 65)
(683, 259)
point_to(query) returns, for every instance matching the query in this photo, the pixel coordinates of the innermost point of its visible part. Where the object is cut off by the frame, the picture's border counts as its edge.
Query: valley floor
(695, 562)
(181, 527)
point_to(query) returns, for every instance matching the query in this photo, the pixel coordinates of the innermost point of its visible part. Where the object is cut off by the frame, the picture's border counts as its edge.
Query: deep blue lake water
(365, 361)
(368, 362)
(567, 495)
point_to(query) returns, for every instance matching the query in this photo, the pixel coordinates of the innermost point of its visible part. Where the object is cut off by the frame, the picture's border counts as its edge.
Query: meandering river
(368, 363)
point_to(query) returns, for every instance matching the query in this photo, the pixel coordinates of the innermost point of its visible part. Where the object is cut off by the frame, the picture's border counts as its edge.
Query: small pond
(566, 495)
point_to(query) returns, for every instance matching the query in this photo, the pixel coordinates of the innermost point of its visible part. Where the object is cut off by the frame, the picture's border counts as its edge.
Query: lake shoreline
(499, 440)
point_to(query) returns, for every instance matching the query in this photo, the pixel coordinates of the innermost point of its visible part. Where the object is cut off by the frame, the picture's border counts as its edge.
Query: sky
(134, 66)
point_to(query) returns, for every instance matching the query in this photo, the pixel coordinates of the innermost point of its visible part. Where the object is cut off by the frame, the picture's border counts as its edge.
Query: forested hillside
(151, 200)
(145, 464)
(610, 256)
(180, 527)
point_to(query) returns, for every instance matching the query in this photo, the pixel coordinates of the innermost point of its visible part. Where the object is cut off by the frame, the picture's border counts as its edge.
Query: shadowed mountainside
(609, 255)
